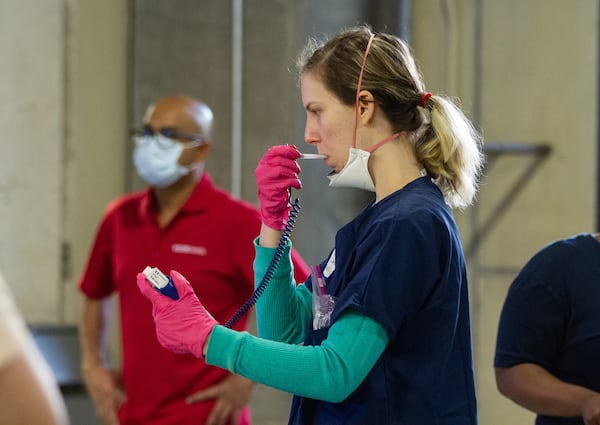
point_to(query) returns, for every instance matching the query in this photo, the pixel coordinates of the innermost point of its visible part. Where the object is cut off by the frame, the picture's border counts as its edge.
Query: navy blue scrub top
(400, 262)
(551, 316)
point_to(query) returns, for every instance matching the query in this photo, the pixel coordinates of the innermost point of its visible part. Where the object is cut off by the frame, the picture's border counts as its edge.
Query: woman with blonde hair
(380, 333)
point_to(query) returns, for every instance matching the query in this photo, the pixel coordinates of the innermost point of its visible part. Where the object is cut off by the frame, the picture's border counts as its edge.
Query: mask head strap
(362, 68)
(383, 142)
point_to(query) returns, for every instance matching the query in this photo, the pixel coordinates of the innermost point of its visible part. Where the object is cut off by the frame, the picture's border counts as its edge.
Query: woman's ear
(366, 106)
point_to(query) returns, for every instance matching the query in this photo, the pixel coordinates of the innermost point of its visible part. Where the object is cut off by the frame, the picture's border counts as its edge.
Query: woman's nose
(310, 140)
(310, 137)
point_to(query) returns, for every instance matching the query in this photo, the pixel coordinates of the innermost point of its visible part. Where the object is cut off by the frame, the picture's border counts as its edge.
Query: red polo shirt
(210, 243)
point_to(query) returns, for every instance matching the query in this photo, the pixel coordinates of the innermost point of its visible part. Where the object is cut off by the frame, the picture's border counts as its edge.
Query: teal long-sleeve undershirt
(330, 371)
(284, 311)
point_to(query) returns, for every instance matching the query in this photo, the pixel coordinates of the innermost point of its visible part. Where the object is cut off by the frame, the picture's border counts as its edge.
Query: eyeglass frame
(168, 132)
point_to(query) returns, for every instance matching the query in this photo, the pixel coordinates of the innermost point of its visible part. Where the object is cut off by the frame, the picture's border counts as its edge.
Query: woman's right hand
(276, 173)
(182, 325)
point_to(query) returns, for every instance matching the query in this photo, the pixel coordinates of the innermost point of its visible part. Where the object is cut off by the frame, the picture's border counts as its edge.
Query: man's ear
(366, 106)
(204, 151)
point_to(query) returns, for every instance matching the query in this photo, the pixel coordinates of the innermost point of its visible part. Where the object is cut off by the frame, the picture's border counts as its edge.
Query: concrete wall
(32, 119)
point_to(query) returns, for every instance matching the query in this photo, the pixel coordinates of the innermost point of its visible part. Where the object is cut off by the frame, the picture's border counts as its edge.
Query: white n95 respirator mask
(355, 173)
(156, 159)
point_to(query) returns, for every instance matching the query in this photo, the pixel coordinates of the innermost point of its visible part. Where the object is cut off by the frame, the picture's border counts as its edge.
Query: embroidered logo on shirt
(183, 248)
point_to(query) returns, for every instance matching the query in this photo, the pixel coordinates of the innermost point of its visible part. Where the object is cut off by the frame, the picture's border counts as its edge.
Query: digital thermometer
(312, 156)
(164, 284)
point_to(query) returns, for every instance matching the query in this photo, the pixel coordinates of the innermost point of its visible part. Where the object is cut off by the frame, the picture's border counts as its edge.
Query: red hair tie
(424, 98)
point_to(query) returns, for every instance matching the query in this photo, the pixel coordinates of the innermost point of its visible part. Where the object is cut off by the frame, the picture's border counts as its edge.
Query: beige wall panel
(63, 120)
(98, 137)
(31, 123)
(538, 84)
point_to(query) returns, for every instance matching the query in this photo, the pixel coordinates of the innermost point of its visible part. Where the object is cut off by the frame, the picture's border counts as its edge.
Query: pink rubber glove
(182, 325)
(276, 173)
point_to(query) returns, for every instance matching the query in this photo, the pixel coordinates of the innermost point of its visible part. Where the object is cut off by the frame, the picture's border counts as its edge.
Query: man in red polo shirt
(182, 221)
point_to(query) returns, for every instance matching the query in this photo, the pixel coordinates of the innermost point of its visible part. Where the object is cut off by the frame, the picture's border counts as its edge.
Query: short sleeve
(533, 319)
(96, 281)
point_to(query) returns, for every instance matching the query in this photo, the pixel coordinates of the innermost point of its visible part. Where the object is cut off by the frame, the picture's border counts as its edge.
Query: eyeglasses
(167, 132)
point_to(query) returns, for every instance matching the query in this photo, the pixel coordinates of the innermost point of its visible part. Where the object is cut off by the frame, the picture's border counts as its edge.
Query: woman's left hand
(276, 173)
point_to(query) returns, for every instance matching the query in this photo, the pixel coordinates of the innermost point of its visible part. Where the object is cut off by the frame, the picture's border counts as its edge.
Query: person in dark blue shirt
(548, 346)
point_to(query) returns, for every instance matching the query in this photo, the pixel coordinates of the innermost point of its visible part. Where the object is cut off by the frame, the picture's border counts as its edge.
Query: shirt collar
(202, 196)
(199, 200)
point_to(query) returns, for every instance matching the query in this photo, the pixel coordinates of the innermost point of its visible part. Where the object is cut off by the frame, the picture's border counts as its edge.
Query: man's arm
(93, 333)
(534, 388)
(99, 380)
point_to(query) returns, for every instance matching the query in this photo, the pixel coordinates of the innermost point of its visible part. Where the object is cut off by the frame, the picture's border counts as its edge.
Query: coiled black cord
(295, 208)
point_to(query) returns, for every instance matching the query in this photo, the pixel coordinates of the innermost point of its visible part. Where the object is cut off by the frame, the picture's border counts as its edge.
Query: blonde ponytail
(451, 152)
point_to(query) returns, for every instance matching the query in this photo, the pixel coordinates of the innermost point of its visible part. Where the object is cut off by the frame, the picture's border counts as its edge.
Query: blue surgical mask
(156, 159)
